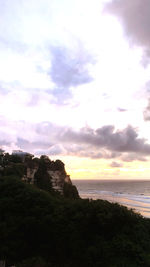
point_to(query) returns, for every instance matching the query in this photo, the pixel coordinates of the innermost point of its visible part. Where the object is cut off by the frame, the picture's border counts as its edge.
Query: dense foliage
(39, 229)
(18, 164)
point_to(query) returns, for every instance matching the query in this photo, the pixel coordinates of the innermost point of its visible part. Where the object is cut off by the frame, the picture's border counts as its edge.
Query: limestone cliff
(47, 175)
(42, 172)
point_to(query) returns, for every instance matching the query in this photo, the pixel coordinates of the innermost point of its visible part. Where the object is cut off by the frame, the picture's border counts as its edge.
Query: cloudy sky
(75, 84)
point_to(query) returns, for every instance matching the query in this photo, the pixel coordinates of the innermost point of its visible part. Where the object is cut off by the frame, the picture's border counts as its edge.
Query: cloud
(5, 88)
(88, 151)
(129, 157)
(115, 164)
(48, 138)
(53, 151)
(146, 113)
(135, 17)
(106, 137)
(32, 145)
(69, 68)
(3, 142)
(36, 53)
(48, 130)
(121, 109)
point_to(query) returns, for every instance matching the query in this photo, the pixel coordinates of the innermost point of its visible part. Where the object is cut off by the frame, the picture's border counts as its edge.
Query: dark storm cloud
(135, 17)
(69, 69)
(115, 164)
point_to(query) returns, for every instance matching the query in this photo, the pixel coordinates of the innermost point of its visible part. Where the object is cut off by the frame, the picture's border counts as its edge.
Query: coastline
(134, 194)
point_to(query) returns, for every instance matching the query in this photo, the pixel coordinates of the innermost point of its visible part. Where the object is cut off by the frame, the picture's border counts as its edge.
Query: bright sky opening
(74, 84)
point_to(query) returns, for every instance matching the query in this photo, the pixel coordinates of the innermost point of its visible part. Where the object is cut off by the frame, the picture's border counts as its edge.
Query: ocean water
(133, 194)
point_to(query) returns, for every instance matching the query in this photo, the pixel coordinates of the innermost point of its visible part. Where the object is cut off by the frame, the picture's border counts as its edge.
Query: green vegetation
(42, 179)
(18, 165)
(70, 191)
(41, 228)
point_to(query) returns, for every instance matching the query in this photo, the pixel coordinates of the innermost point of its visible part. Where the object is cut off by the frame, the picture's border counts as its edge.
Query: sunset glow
(74, 84)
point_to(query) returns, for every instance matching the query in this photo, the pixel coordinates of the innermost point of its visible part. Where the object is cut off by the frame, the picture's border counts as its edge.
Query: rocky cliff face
(42, 172)
(47, 174)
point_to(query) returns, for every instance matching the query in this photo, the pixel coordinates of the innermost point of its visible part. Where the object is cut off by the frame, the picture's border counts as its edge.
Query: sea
(133, 194)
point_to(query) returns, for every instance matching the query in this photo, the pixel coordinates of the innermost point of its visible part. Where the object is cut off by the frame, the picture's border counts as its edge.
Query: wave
(139, 203)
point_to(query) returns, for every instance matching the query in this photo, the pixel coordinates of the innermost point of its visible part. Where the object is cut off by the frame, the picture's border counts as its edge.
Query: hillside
(43, 228)
(42, 172)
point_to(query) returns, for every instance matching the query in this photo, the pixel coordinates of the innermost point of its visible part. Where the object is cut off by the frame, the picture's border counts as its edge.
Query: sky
(75, 84)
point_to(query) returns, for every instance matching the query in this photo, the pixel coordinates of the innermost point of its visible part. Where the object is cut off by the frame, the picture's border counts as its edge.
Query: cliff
(42, 172)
